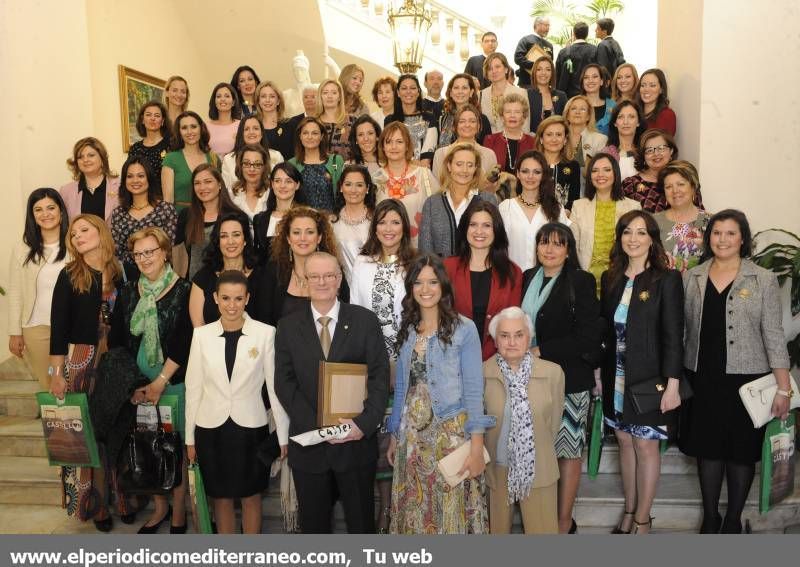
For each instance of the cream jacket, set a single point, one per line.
(582, 217)
(22, 288)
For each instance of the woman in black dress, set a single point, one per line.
(733, 335)
(230, 247)
(151, 320)
(226, 419)
(153, 125)
(285, 192)
(561, 300)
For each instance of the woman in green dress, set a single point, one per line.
(190, 148)
(151, 320)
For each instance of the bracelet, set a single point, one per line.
(166, 380)
(785, 393)
(54, 371)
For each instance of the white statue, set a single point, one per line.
(293, 98)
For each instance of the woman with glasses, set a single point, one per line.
(151, 321)
(139, 207)
(85, 293)
(249, 191)
(656, 149)
(249, 132)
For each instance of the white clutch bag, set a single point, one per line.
(452, 463)
(757, 397)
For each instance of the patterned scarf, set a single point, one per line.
(521, 438)
(144, 321)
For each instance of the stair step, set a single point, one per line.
(17, 398)
(21, 437)
(678, 504)
(14, 368)
(672, 461)
(29, 480)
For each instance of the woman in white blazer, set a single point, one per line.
(595, 216)
(378, 284)
(226, 420)
(35, 264)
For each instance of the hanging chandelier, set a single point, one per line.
(409, 24)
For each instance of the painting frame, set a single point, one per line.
(135, 89)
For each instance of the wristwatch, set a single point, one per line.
(785, 393)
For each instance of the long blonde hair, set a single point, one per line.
(281, 104)
(352, 101)
(79, 272)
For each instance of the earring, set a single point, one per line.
(291, 256)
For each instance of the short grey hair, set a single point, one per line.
(326, 256)
(510, 313)
(540, 20)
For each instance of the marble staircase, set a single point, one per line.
(30, 493)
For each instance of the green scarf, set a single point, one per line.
(144, 321)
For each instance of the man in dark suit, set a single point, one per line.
(336, 332)
(609, 53)
(474, 65)
(573, 59)
(541, 26)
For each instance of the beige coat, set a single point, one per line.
(546, 395)
(582, 217)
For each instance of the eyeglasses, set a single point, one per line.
(252, 164)
(316, 278)
(144, 254)
(657, 150)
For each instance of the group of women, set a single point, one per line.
(502, 313)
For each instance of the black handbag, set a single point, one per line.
(151, 461)
(646, 396)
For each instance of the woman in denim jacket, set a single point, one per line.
(438, 403)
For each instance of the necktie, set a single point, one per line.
(325, 335)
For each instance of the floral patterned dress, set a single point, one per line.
(683, 242)
(422, 502)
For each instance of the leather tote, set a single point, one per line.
(151, 461)
(646, 395)
(757, 397)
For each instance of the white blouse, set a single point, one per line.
(522, 232)
(351, 238)
(363, 278)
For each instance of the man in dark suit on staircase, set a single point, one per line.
(541, 26)
(474, 65)
(337, 332)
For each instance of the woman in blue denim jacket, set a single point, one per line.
(438, 405)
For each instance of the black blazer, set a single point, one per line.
(569, 329)
(268, 301)
(357, 339)
(653, 338)
(474, 67)
(535, 103)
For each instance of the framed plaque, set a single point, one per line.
(342, 391)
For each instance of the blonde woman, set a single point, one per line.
(278, 129)
(176, 97)
(584, 140)
(334, 117)
(625, 83)
(352, 79)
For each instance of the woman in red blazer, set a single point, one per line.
(485, 281)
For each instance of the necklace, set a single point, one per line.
(421, 338)
(141, 208)
(349, 221)
(390, 259)
(527, 203)
(299, 282)
(510, 163)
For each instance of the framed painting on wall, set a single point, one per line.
(135, 90)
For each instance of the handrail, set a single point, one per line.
(445, 9)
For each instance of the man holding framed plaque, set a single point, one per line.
(327, 332)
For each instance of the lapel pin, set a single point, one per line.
(744, 293)
(346, 327)
(253, 352)
(644, 296)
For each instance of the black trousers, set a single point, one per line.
(317, 493)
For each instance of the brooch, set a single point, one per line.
(641, 187)
(253, 352)
(644, 296)
(744, 293)
(163, 154)
(280, 131)
(567, 171)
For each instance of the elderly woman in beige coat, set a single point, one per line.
(526, 394)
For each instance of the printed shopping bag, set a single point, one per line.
(68, 433)
(147, 420)
(200, 515)
(777, 463)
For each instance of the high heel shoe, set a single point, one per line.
(637, 525)
(145, 529)
(573, 529)
(712, 526)
(618, 529)
(105, 525)
(178, 529)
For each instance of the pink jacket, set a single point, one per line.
(72, 198)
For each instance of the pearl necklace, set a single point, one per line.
(350, 222)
